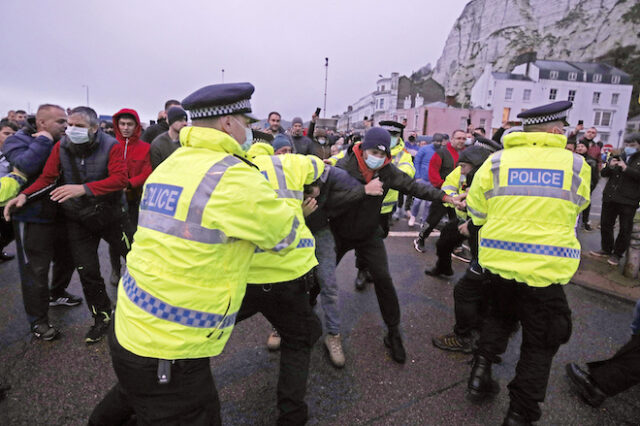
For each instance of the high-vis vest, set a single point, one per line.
(527, 198)
(287, 174)
(402, 160)
(203, 212)
(454, 185)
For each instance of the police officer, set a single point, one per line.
(203, 212)
(527, 198)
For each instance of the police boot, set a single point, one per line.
(361, 279)
(481, 384)
(514, 418)
(393, 341)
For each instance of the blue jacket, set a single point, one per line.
(421, 163)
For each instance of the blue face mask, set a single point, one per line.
(394, 141)
(630, 151)
(248, 138)
(374, 162)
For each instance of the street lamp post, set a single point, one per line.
(87, 92)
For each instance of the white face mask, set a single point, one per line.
(322, 141)
(77, 135)
(468, 142)
(394, 141)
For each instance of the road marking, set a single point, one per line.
(412, 234)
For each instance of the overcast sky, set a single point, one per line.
(138, 54)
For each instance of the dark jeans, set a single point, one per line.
(6, 233)
(437, 211)
(190, 398)
(374, 257)
(39, 244)
(450, 238)
(385, 226)
(133, 211)
(470, 297)
(620, 372)
(611, 211)
(546, 324)
(84, 249)
(286, 306)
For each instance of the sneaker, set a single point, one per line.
(418, 244)
(396, 215)
(412, 221)
(334, 346)
(453, 342)
(614, 260)
(273, 341)
(67, 299)
(462, 254)
(44, 331)
(99, 328)
(600, 253)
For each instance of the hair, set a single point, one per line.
(6, 123)
(46, 107)
(170, 103)
(272, 113)
(543, 127)
(453, 134)
(481, 130)
(88, 113)
(127, 115)
(20, 111)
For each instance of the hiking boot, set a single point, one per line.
(361, 279)
(481, 384)
(436, 272)
(514, 418)
(582, 382)
(393, 341)
(334, 346)
(114, 279)
(453, 342)
(273, 341)
(614, 260)
(600, 253)
(418, 244)
(67, 299)
(462, 254)
(99, 328)
(44, 331)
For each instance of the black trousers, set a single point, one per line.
(286, 306)
(6, 233)
(190, 397)
(619, 372)
(470, 297)
(546, 324)
(373, 254)
(450, 238)
(611, 211)
(437, 211)
(133, 211)
(38, 245)
(385, 226)
(84, 249)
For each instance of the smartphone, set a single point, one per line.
(318, 112)
(580, 122)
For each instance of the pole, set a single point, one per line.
(326, 75)
(223, 75)
(87, 92)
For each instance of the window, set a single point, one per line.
(483, 122)
(553, 93)
(596, 98)
(553, 75)
(382, 101)
(572, 96)
(490, 93)
(526, 95)
(573, 76)
(604, 137)
(615, 79)
(463, 122)
(602, 118)
(597, 78)
(614, 98)
(382, 88)
(508, 94)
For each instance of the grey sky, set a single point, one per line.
(138, 54)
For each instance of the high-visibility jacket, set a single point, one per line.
(527, 198)
(259, 148)
(334, 158)
(203, 212)
(10, 185)
(455, 184)
(287, 174)
(402, 160)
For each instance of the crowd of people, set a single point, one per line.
(217, 220)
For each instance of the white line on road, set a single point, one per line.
(412, 234)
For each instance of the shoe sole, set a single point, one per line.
(54, 304)
(46, 339)
(477, 396)
(451, 349)
(460, 258)
(594, 254)
(613, 263)
(92, 341)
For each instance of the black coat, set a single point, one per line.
(361, 221)
(623, 187)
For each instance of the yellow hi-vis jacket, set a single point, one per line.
(454, 185)
(527, 198)
(402, 160)
(203, 212)
(287, 174)
(10, 185)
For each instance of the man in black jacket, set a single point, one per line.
(620, 199)
(359, 227)
(162, 125)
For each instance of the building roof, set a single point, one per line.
(588, 67)
(437, 105)
(509, 76)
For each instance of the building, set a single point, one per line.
(600, 94)
(633, 125)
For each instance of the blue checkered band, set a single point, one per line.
(544, 118)
(306, 243)
(391, 128)
(165, 311)
(288, 240)
(218, 110)
(388, 203)
(540, 249)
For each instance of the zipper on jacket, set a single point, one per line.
(126, 145)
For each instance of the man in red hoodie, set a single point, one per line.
(126, 124)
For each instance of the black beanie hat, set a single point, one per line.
(174, 114)
(474, 155)
(377, 138)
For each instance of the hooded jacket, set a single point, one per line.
(622, 186)
(136, 152)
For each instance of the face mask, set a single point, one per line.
(468, 142)
(248, 138)
(630, 151)
(394, 141)
(322, 141)
(374, 162)
(77, 135)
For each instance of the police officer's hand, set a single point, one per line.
(374, 187)
(65, 192)
(464, 229)
(327, 161)
(16, 203)
(309, 205)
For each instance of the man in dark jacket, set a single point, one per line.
(93, 173)
(620, 200)
(582, 148)
(301, 143)
(359, 227)
(41, 236)
(161, 126)
(165, 143)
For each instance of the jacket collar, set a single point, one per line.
(541, 139)
(211, 139)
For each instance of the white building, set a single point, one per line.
(600, 94)
(381, 101)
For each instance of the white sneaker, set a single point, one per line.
(412, 221)
(334, 346)
(273, 342)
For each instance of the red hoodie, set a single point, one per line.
(136, 152)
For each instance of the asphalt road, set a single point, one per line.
(59, 383)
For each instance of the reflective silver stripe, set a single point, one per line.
(288, 193)
(277, 165)
(289, 239)
(495, 168)
(206, 187)
(407, 164)
(449, 188)
(576, 180)
(163, 310)
(315, 169)
(185, 230)
(476, 213)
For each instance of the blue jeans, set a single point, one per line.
(417, 203)
(326, 255)
(635, 325)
